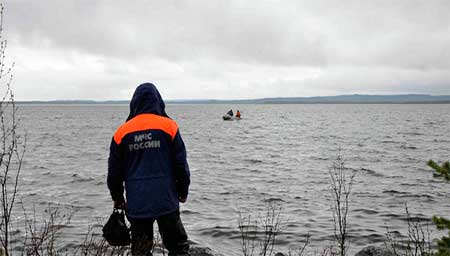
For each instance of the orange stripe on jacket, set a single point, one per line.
(144, 122)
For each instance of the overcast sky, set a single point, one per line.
(227, 49)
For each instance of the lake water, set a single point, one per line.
(277, 153)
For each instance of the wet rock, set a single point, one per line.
(374, 251)
(201, 251)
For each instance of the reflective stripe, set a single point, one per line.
(144, 122)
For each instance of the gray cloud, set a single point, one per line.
(219, 47)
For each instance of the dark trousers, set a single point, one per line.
(172, 233)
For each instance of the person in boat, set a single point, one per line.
(230, 113)
(238, 114)
(148, 155)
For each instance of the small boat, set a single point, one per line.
(228, 118)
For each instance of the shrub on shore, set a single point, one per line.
(443, 244)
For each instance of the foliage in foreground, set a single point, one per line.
(341, 182)
(258, 234)
(12, 147)
(443, 244)
(417, 241)
(440, 171)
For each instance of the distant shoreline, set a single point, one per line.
(223, 103)
(340, 99)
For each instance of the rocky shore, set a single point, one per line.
(367, 251)
(202, 251)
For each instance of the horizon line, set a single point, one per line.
(241, 99)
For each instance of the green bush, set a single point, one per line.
(440, 171)
(443, 244)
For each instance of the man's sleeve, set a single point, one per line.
(115, 172)
(181, 166)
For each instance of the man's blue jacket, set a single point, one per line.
(148, 154)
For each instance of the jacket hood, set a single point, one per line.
(146, 99)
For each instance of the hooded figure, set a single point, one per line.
(148, 155)
(146, 99)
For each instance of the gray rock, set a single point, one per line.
(374, 251)
(200, 251)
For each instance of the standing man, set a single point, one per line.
(148, 154)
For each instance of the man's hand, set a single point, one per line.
(120, 205)
(182, 199)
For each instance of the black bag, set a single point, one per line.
(115, 231)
